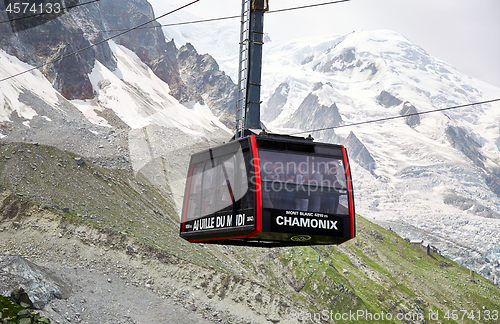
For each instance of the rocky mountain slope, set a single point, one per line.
(132, 118)
(48, 45)
(91, 24)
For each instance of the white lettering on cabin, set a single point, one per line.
(220, 222)
(306, 222)
(204, 223)
(240, 219)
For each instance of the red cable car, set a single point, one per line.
(266, 190)
(269, 190)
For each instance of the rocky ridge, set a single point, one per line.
(201, 72)
(48, 45)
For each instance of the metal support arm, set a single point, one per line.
(250, 70)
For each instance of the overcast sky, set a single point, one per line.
(464, 33)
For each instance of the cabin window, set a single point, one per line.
(194, 195)
(216, 184)
(303, 182)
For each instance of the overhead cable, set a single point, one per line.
(268, 12)
(397, 117)
(95, 44)
(308, 6)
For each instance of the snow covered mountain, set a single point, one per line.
(132, 121)
(431, 177)
(434, 176)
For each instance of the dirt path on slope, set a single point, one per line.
(106, 298)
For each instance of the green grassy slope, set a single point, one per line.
(110, 198)
(380, 273)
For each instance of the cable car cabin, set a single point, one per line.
(265, 190)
